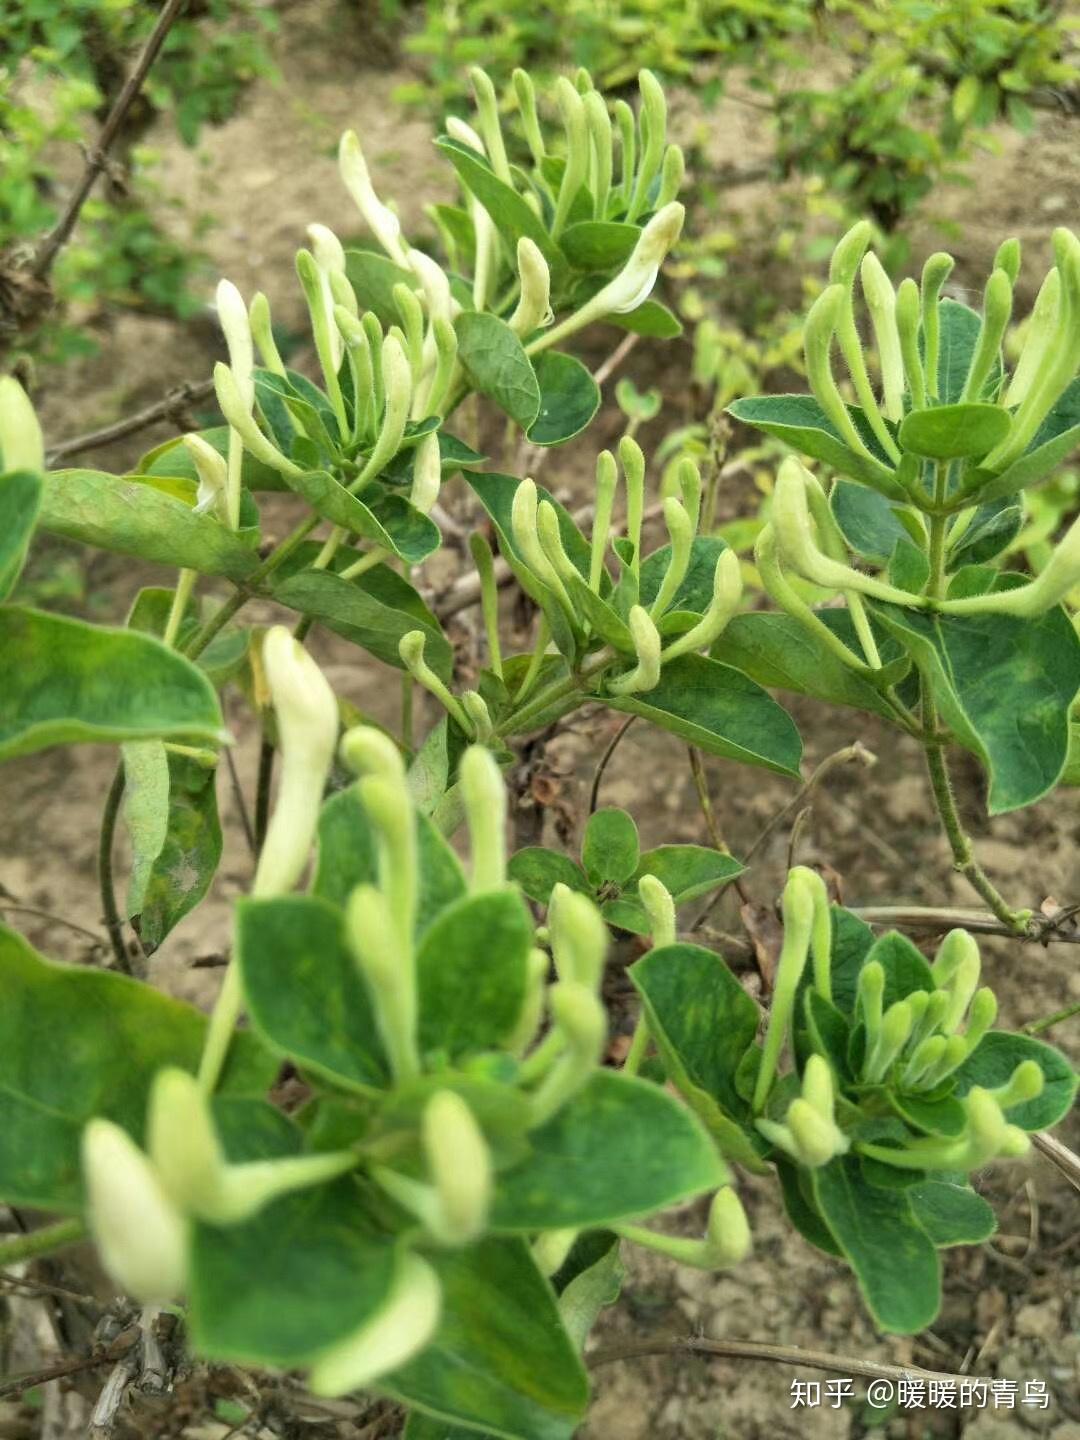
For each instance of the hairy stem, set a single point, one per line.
(15, 1248)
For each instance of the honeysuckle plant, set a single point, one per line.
(432, 1204)
(888, 600)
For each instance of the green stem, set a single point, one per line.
(1038, 1026)
(964, 860)
(638, 1046)
(114, 923)
(41, 1242)
(558, 690)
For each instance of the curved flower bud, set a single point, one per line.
(534, 304)
(981, 1016)
(935, 272)
(484, 796)
(646, 673)
(632, 459)
(576, 166)
(850, 249)
(21, 443)
(487, 109)
(242, 421)
(607, 478)
(461, 131)
(550, 536)
(660, 908)
(602, 147)
(307, 722)
(1040, 332)
(526, 99)
(212, 495)
(634, 282)
(1049, 588)
(653, 124)
(435, 284)
(681, 538)
(532, 1006)
(233, 315)
(870, 993)
(579, 937)
(817, 1140)
(524, 524)
(1008, 259)
(726, 1241)
(580, 1017)
(957, 948)
(881, 302)
(368, 751)
(822, 322)
(397, 384)
(140, 1236)
(459, 1161)
(727, 592)
(895, 1031)
(481, 724)
(817, 1086)
(375, 941)
(411, 649)
(961, 988)
(427, 474)
(382, 221)
(997, 311)
(329, 257)
(672, 175)
(797, 912)
(262, 333)
(399, 1330)
(925, 1058)
(908, 316)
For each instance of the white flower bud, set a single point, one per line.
(579, 937)
(427, 474)
(213, 475)
(534, 305)
(400, 1330)
(232, 312)
(141, 1237)
(459, 1161)
(435, 283)
(660, 908)
(384, 224)
(484, 797)
(464, 134)
(21, 443)
(330, 259)
(646, 673)
(307, 722)
(242, 421)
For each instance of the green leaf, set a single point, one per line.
(569, 398)
(952, 1214)
(796, 1190)
(1004, 685)
(134, 519)
(260, 1297)
(304, 991)
(599, 244)
(66, 681)
(352, 608)
(686, 871)
(993, 1062)
(800, 422)
(609, 850)
(721, 711)
(696, 591)
(960, 327)
(392, 522)
(650, 319)
(77, 1042)
(1058, 436)
(655, 1153)
(146, 811)
(777, 651)
(589, 1278)
(188, 859)
(943, 1116)
(501, 1360)
(893, 1258)
(703, 1023)
(348, 856)
(906, 968)
(496, 364)
(470, 971)
(852, 940)
(869, 522)
(20, 500)
(174, 459)
(538, 871)
(373, 277)
(954, 432)
(510, 213)
(993, 528)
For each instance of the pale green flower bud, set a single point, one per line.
(1027, 1082)
(908, 317)
(532, 1006)
(653, 124)
(672, 175)
(1040, 332)
(997, 310)
(140, 1235)
(632, 459)
(817, 1140)
(411, 650)
(487, 108)
(817, 1086)
(382, 221)
(233, 315)
(601, 149)
(435, 284)
(728, 1233)
(962, 987)
(524, 524)
(579, 937)
(461, 131)
(1049, 588)
(534, 305)
(581, 1018)
(681, 536)
(550, 1249)
(369, 751)
(727, 592)
(797, 910)
(607, 477)
(526, 98)
(375, 941)
(575, 123)
(850, 248)
(242, 421)
(646, 673)
(307, 722)
(21, 443)
(925, 1058)
(935, 272)
(550, 535)
(870, 992)
(397, 384)
(459, 1161)
(1008, 259)
(881, 302)
(427, 474)
(263, 334)
(1015, 1143)
(329, 258)
(183, 1143)
(484, 796)
(660, 908)
(212, 495)
(981, 1016)
(986, 1127)
(895, 1031)
(399, 1330)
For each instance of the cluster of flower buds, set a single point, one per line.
(913, 1048)
(932, 453)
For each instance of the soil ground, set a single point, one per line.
(1013, 1306)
